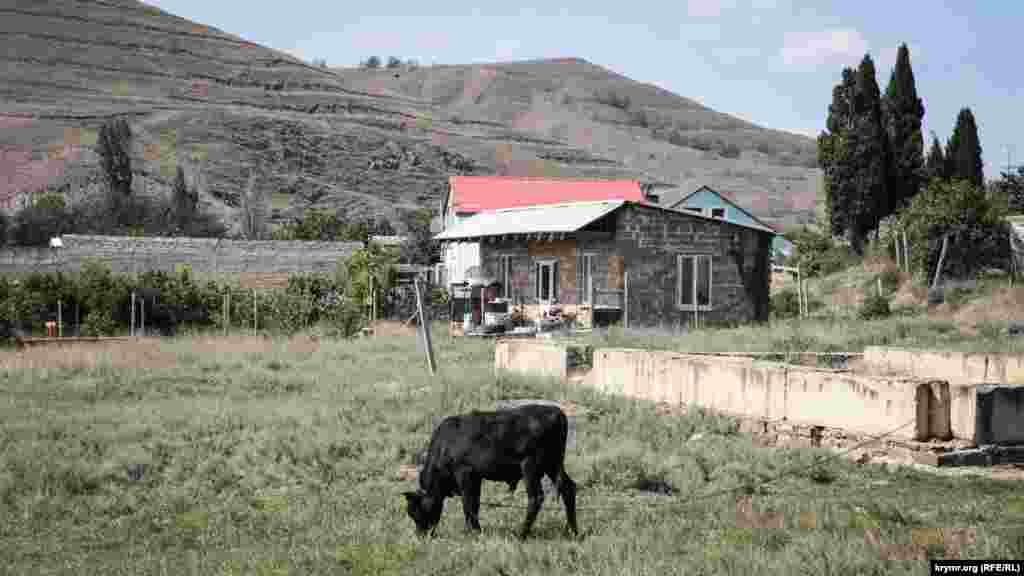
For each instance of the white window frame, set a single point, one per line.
(539, 266)
(694, 260)
(588, 278)
(505, 274)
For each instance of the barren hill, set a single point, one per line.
(369, 140)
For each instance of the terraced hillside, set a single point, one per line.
(369, 140)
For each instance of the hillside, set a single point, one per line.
(369, 140)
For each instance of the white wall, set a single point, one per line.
(458, 258)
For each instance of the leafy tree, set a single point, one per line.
(183, 201)
(383, 227)
(935, 166)
(1011, 187)
(418, 247)
(979, 235)
(903, 113)
(412, 64)
(37, 223)
(372, 62)
(114, 148)
(963, 151)
(5, 228)
(393, 62)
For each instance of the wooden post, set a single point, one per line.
(60, 320)
(879, 286)
(425, 332)
(253, 311)
(373, 308)
(942, 256)
(142, 316)
(227, 313)
(906, 252)
(625, 299)
(131, 325)
(799, 294)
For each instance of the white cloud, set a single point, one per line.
(703, 8)
(839, 45)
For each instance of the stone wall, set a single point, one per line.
(267, 261)
(646, 242)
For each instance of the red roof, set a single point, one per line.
(485, 193)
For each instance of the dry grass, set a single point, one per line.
(247, 455)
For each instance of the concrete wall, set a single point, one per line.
(257, 258)
(532, 358)
(905, 407)
(963, 370)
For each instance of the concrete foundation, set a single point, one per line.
(904, 406)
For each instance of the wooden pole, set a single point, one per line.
(942, 256)
(142, 315)
(253, 311)
(131, 325)
(879, 286)
(425, 333)
(227, 313)
(373, 307)
(60, 320)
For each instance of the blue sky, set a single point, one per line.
(773, 62)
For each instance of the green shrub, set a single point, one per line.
(785, 304)
(874, 307)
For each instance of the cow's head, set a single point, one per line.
(424, 509)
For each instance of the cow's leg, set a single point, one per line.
(567, 490)
(535, 491)
(469, 484)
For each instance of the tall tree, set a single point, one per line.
(834, 156)
(254, 210)
(903, 112)
(963, 151)
(870, 155)
(113, 146)
(935, 166)
(183, 202)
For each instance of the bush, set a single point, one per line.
(372, 62)
(874, 307)
(729, 151)
(785, 304)
(393, 62)
(613, 99)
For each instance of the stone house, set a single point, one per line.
(468, 196)
(659, 267)
(710, 202)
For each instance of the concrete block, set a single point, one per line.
(999, 415)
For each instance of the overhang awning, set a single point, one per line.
(547, 219)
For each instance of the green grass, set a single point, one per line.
(264, 456)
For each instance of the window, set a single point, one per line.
(588, 279)
(694, 287)
(505, 275)
(718, 212)
(547, 280)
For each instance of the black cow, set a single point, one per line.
(523, 443)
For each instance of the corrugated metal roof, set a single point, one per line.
(550, 218)
(485, 193)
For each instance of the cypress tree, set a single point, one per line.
(903, 112)
(870, 155)
(935, 166)
(963, 152)
(834, 155)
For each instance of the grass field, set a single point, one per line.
(244, 455)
